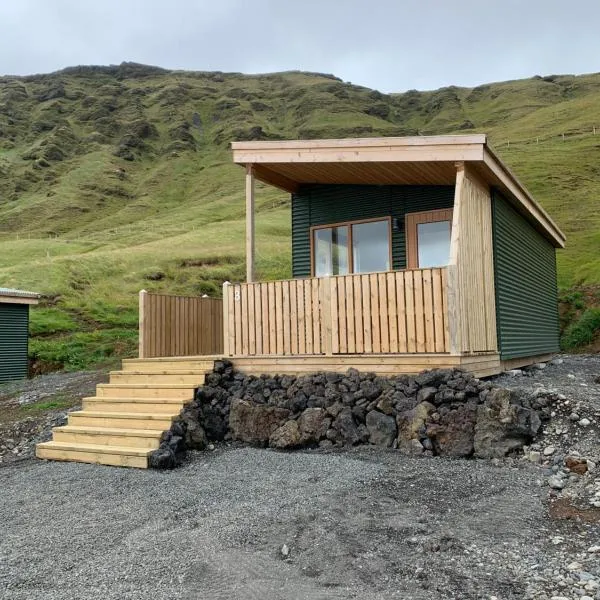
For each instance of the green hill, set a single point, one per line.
(114, 179)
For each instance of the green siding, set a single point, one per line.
(323, 204)
(526, 291)
(14, 322)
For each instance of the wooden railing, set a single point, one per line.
(392, 312)
(180, 325)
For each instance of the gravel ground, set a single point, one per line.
(30, 408)
(366, 524)
(362, 523)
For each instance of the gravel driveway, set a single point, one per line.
(362, 524)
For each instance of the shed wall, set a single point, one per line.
(14, 325)
(526, 288)
(324, 204)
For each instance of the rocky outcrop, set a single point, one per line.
(440, 412)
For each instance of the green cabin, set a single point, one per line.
(417, 251)
(14, 332)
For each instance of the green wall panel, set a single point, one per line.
(526, 290)
(14, 322)
(323, 204)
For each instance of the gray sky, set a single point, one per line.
(390, 45)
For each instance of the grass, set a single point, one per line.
(582, 332)
(90, 230)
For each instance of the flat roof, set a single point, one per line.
(12, 296)
(420, 160)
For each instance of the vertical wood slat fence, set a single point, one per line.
(391, 312)
(179, 325)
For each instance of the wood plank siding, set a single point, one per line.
(381, 313)
(471, 301)
(180, 325)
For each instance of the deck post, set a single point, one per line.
(142, 324)
(249, 223)
(226, 309)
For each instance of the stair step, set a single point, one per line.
(172, 362)
(120, 420)
(192, 377)
(120, 456)
(108, 436)
(139, 390)
(170, 406)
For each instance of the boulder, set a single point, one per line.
(346, 428)
(412, 447)
(426, 394)
(454, 432)
(411, 423)
(286, 436)
(382, 428)
(503, 426)
(254, 423)
(195, 436)
(313, 425)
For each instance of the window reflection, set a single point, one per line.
(433, 240)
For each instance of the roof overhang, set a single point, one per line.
(422, 160)
(11, 296)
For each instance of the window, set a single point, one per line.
(359, 247)
(428, 238)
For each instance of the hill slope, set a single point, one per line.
(114, 179)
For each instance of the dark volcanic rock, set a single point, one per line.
(453, 435)
(313, 424)
(253, 423)
(503, 426)
(286, 436)
(382, 428)
(345, 426)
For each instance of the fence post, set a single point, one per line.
(142, 324)
(226, 285)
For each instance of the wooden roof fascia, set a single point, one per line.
(523, 197)
(18, 300)
(417, 153)
(385, 142)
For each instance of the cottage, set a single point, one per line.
(14, 332)
(407, 254)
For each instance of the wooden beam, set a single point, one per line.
(275, 179)
(250, 247)
(142, 324)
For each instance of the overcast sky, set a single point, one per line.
(390, 45)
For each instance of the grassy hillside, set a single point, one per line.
(114, 179)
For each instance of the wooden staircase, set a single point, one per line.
(123, 423)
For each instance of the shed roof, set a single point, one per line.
(12, 296)
(422, 160)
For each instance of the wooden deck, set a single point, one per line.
(383, 364)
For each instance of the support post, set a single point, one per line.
(454, 291)
(226, 309)
(250, 223)
(142, 324)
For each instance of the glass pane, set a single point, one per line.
(371, 247)
(433, 240)
(331, 251)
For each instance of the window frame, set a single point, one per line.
(348, 224)
(412, 221)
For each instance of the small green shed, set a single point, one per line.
(14, 332)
